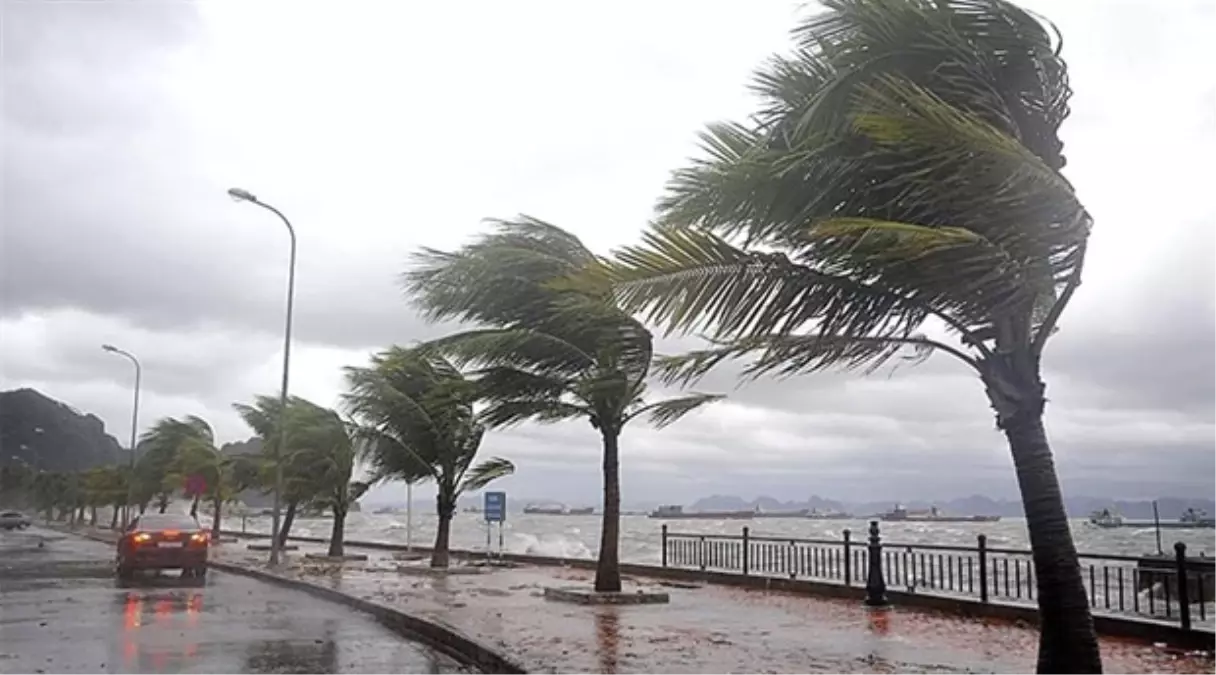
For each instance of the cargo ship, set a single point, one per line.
(801, 513)
(674, 512)
(557, 510)
(1190, 519)
(900, 514)
(829, 515)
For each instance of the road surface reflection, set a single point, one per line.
(149, 614)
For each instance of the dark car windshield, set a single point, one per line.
(166, 521)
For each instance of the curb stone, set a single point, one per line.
(430, 633)
(435, 635)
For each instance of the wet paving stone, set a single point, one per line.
(704, 628)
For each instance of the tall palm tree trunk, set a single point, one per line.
(443, 534)
(216, 508)
(92, 516)
(114, 509)
(1067, 642)
(289, 518)
(194, 506)
(337, 535)
(162, 502)
(608, 567)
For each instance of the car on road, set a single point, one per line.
(14, 520)
(163, 541)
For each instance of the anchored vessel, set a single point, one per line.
(677, 512)
(899, 513)
(1190, 519)
(557, 510)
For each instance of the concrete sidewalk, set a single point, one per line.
(705, 628)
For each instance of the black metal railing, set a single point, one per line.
(1171, 587)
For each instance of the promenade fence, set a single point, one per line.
(1173, 587)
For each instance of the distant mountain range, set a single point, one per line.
(1169, 507)
(52, 436)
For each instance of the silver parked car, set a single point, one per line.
(14, 520)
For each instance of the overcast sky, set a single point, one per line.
(379, 127)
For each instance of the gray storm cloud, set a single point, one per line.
(115, 228)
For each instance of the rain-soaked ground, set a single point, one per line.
(62, 612)
(703, 629)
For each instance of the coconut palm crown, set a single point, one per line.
(897, 194)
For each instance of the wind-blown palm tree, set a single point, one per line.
(105, 486)
(555, 344)
(224, 476)
(263, 417)
(317, 464)
(418, 423)
(50, 491)
(178, 448)
(326, 463)
(901, 180)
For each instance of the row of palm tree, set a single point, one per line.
(178, 454)
(73, 497)
(411, 418)
(897, 195)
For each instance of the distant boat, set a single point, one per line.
(557, 510)
(829, 515)
(1189, 520)
(900, 514)
(801, 513)
(677, 512)
(383, 510)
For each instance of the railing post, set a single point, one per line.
(981, 543)
(747, 552)
(663, 535)
(701, 553)
(1184, 602)
(876, 587)
(848, 558)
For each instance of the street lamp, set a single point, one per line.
(275, 545)
(126, 509)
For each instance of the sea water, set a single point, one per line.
(579, 536)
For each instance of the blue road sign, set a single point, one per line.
(496, 507)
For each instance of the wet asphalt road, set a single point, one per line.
(61, 611)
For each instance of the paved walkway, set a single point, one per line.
(62, 612)
(704, 629)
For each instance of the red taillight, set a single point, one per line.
(200, 538)
(141, 538)
(171, 534)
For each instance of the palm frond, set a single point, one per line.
(688, 280)
(919, 134)
(787, 355)
(485, 473)
(509, 412)
(539, 352)
(665, 412)
(500, 383)
(929, 114)
(415, 416)
(500, 278)
(356, 490)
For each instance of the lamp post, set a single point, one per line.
(275, 545)
(126, 510)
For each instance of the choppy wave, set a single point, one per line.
(578, 536)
